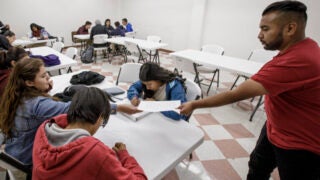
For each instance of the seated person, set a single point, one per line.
(26, 104)
(127, 25)
(98, 29)
(4, 28)
(158, 84)
(39, 32)
(84, 29)
(65, 149)
(7, 39)
(119, 31)
(107, 23)
(7, 62)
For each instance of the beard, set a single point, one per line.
(276, 44)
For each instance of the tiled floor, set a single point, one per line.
(229, 136)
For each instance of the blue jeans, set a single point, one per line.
(292, 164)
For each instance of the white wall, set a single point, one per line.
(235, 24)
(166, 18)
(182, 24)
(59, 17)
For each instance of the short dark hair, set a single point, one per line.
(88, 23)
(288, 6)
(88, 104)
(117, 24)
(9, 34)
(125, 19)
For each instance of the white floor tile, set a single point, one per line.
(217, 132)
(208, 151)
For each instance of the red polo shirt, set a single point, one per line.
(292, 104)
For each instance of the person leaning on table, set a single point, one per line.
(65, 149)
(290, 138)
(25, 104)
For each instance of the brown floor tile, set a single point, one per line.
(220, 169)
(205, 119)
(231, 148)
(238, 131)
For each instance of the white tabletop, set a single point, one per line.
(237, 65)
(143, 44)
(25, 42)
(157, 143)
(82, 36)
(65, 60)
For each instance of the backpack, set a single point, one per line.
(87, 78)
(87, 55)
(49, 60)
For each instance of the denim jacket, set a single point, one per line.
(29, 115)
(174, 91)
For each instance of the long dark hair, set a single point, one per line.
(153, 72)
(36, 25)
(16, 90)
(13, 54)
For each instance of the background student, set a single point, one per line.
(4, 28)
(38, 32)
(98, 29)
(6, 40)
(108, 25)
(127, 25)
(119, 31)
(65, 149)
(84, 29)
(158, 84)
(290, 139)
(7, 62)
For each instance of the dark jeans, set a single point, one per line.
(292, 164)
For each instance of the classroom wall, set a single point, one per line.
(182, 24)
(232, 24)
(59, 17)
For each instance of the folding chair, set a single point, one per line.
(58, 46)
(129, 73)
(133, 52)
(193, 93)
(11, 164)
(215, 49)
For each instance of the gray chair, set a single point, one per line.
(129, 73)
(10, 164)
(215, 49)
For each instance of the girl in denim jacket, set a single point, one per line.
(25, 104)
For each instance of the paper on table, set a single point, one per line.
(158, 106)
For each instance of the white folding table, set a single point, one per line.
(157, 143)
(66, 62)
(231, 64)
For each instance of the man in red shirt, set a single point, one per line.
(290, 139)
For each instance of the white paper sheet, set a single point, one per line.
(158, 106)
